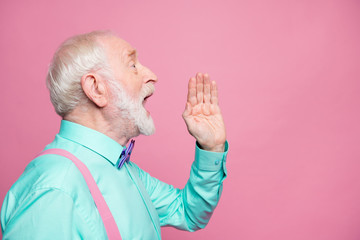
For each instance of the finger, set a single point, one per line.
(199, 88)
(207, 88)
(214, 93)
(191, 98)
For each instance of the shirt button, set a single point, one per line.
(217, 162)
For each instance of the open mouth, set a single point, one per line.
(144, 102)
(146, 98)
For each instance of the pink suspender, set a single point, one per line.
(107, 218)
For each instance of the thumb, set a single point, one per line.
(187, 110)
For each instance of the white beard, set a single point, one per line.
(133, 109)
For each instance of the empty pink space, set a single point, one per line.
(289, 83)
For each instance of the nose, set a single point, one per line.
(150, 77)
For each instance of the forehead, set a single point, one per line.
(119, 48)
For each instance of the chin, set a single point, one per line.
(148, 133)
(150, 130)
(146, 125)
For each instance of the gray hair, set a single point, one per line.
(74, 58)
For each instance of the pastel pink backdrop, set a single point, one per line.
(289, 84)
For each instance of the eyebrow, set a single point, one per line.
(129, 55)
(132, 53)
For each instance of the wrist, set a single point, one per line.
(216, 148)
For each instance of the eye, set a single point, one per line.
(133, 65)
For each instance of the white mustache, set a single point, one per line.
(147, 90)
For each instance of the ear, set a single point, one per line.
(94, 88)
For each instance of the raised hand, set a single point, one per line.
(202, 114)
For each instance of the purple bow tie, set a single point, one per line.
(125, 154)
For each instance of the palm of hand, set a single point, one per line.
(202, 114)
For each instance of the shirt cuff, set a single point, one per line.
(210, 161)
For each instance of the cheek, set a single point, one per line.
(132, 82)
(134, 88)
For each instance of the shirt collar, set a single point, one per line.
(91, 139)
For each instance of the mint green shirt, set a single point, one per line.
(51, 200)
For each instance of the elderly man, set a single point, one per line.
(99, 88)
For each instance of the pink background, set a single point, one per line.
(289, 84)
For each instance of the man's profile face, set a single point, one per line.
(134, 83)
(126, 67)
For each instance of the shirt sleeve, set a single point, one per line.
(190, 208)
(44, 214)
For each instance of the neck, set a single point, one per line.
(117, 128)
